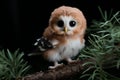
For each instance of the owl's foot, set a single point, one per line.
(56, 64)
(69, 60)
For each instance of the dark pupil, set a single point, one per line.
(60, 23)
(72, 23)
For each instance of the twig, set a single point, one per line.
(65, 72)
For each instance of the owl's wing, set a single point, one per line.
(42, 44)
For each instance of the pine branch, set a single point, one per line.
(65, 72)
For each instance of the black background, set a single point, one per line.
(23, 21)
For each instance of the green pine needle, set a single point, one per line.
(103, 48)
(12, 65)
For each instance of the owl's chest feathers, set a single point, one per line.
(70, 48)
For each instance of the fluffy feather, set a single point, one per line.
(66, 32)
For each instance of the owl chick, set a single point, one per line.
(65, 32)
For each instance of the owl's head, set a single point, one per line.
(67, 20)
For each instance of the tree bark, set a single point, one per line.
(70, 71)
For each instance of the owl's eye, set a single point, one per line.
(72, 23)
(60, 23)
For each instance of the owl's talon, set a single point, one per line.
(52, 67)
(69, 60)
(55, 65)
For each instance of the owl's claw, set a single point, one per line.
(69, 60)
(56, 64)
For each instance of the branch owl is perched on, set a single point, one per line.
(65, 32)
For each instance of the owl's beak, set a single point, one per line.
(65, 29)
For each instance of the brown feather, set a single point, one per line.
(52, 32)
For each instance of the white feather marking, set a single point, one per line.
(54, 56)
(71, 49)
(41, 49)
(66, 20)
(68, 50)
(54, 42)
(35, 44)
(38, 39)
